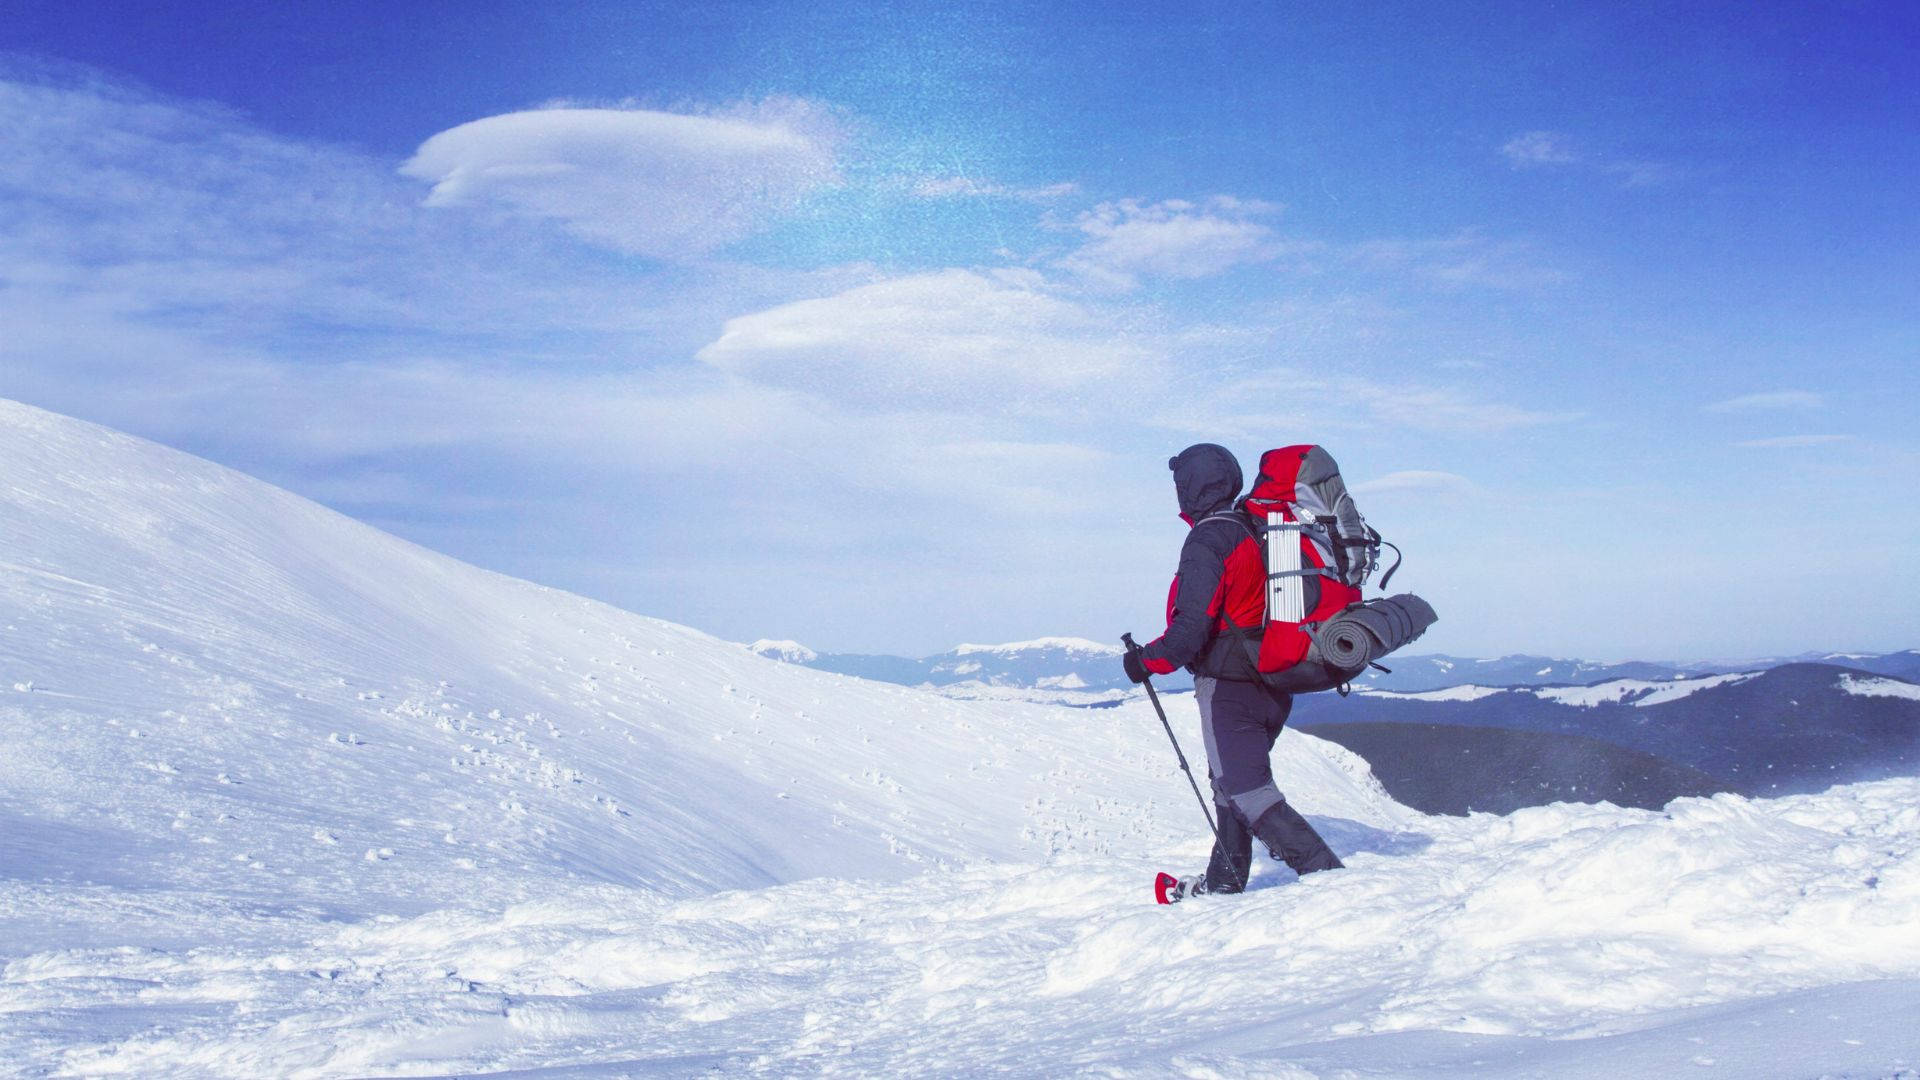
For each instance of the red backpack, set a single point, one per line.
(1318, 633)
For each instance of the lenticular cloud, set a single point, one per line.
(651, 183)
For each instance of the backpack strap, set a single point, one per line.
(1233, 515)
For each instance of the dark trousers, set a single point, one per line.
(1240, 722)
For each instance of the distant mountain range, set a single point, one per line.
(1437, 672)
(1063, 669)
(1449, 734)
(1793, 728)
(1076, 664)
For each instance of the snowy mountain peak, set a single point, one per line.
(1045, 644)
(791, 652)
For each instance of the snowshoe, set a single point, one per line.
(1168, 889)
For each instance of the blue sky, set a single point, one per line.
(873, 325)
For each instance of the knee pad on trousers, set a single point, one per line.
(1255, 804)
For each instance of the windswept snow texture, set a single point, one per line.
(285, 796)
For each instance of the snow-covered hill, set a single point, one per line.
(218, 684)
(285, 796)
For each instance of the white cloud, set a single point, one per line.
(1533, 148)
(1464, 260)
(1777, 399)
(1173, 239)
(963, 187)
(1444, 409)
(1344, 403)
(1419, 481)
(660, 184)
(1793, 442)
(1551, 149)
(1002, 339)
(1638, 174)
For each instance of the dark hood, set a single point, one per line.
(1206, 478)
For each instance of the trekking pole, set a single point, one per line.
(1155, 698)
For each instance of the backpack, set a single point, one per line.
(1318, 633)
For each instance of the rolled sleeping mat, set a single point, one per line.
(1366, 632)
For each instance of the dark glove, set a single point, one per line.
(1135, 669)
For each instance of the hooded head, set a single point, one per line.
(1206, 479)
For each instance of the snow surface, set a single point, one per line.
(1893, 688)
(286, 796)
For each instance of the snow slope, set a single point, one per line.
(286, 796)
(231, 688)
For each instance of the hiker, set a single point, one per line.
(1218, 600)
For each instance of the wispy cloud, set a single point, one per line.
(660, 184)
(1635, 174)
(1462, 261)
(1346, 403)
(1557, 150)
(1416, 481)
(471, 366)
(1129, 240)
(943, 337)
(964, 187)
(1793, 442)
(1769, 400)
(1530, 148)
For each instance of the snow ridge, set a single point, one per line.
(1638, 692)
(1466, 692)
(1875, 687)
